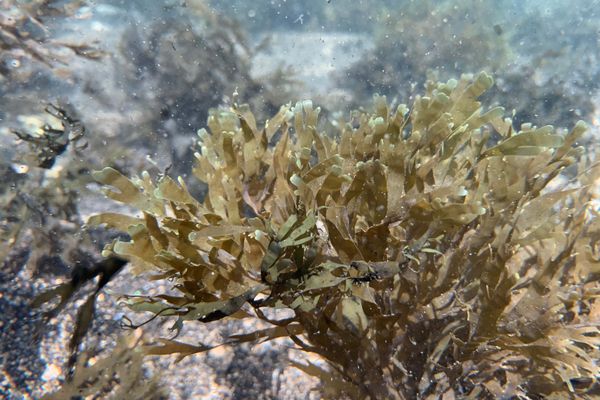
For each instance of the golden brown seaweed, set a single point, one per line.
(423, 253)
(120, 375)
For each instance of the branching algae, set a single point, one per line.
(119, 376)
(40, 219)
(424, 252)
(24, 36)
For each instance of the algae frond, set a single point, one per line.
(423, 252)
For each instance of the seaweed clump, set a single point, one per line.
(120, 375)
(178, 67)
(52, 143)
(41, 219)
(24, 37)
(408, 47)
(425, 252)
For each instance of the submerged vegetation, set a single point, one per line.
(422, 252)
(160, 61)
(428, 250)
(24, 38)
(40, 220)
(408, 49)
(534, 80)
(98, 380)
